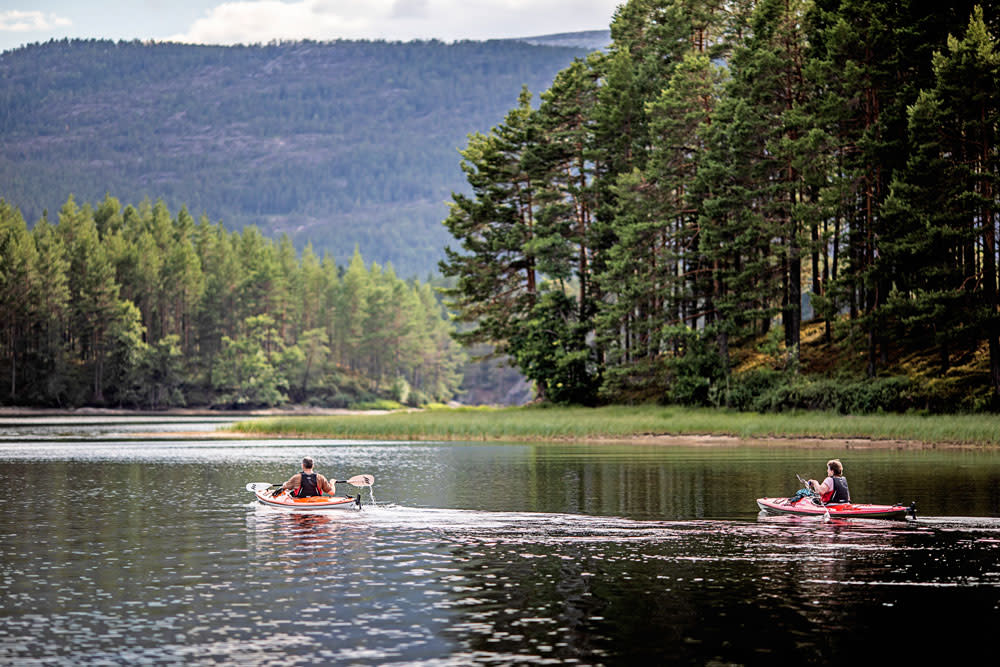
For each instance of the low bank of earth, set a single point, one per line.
(651, 424)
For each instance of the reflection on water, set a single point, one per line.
(484, 554)
(105, 427)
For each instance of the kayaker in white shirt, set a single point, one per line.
(834, 488)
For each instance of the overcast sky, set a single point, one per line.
(260, 21)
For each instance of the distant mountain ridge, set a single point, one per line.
(339, 143)
(592, 40)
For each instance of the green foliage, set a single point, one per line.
(549, 348)
(140, 308)
(844, 157)
(698, 371)
(380, 404)
(161, 374)
(777, 391)
(243, 376)
(126, 353)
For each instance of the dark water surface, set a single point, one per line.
(130, 552)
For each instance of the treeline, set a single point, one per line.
(660, 224)
(136, 307)
(343, 143)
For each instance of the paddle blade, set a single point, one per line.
(361, 480)
(254, 487)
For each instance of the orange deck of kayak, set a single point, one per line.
(317, 502)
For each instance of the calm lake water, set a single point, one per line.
(119, 549)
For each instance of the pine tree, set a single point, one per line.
(563, 162)
(126, 352)
(18, 277)
(943, 211)
(218, 312)
(655, 267)
(768, 78)
(496, 268)
(315, 346)
(95, 305)
(51, 317)
(352, 305)
(875, 58)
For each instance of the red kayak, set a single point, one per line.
(811, 506)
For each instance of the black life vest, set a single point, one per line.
(840, 492)
(308, 485)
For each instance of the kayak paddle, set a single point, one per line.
(358, 480)
(816, 497)
(275, 489)
(260, 486)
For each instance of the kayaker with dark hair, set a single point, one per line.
(833, 490)
(308, 483)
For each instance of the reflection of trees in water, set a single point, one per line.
(668, 482)
(709, 482)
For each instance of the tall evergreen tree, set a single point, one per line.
(496, 269)
(943, 212)
(352, 304)
(876, 57)
(95, 304)
(18, 277)
(51, 320)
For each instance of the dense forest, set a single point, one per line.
(137, 307)
(763, 204)
(342, 144)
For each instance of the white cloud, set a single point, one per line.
(261, 21)
(15, 20)
(410, 8)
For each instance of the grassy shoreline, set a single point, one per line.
(617, 423)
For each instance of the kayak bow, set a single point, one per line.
(809, 506)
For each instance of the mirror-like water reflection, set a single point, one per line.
(139, 551)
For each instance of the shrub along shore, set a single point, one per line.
(625, 423)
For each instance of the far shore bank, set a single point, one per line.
(640, 424)
(662, 440)
(693, 440)
(636, 425)
(294, 411)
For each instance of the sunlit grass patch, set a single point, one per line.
(575, 423)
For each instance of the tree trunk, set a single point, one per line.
(990, 269)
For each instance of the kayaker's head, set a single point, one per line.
(835, 468)
(307, 463)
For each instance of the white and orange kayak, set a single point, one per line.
(275, 496)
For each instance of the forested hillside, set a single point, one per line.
(665, 223)
(342, 144)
